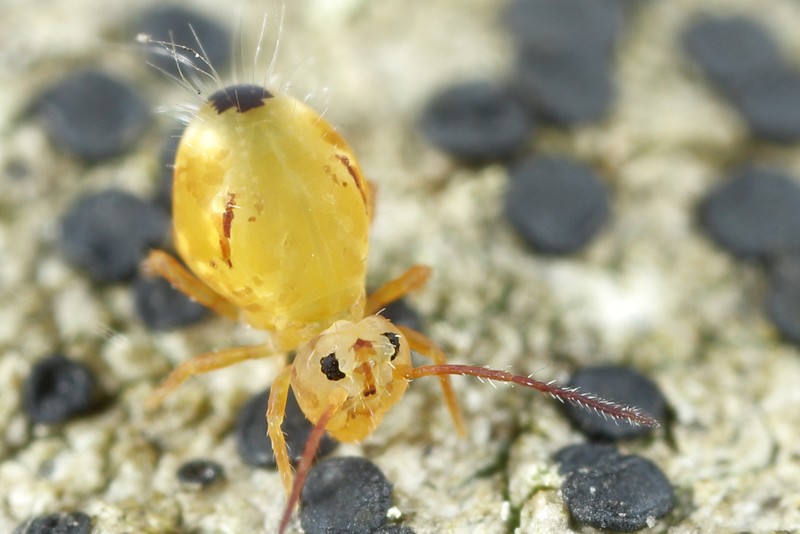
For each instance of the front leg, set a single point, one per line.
(276, 409)
(205, 363)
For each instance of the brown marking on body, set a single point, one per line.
(349, 166)
(359, 181)
(365, 369)
(227, 220)
(369, 379)
(362, 344)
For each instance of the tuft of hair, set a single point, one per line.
(199, 78)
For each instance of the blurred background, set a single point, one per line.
(610, 184)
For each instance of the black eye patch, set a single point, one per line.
(394, 339)
(330, 367)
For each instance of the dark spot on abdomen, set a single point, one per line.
(241, 97)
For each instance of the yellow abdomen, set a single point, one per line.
(272, 212)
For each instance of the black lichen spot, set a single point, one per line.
(345, 494)
(162, 307)
(109, 232)
(566, 52)
(92, 115)
(394, 339)
(583, 456)
(330, 367)
(730, 48)
(754, 214)
(476, 122)
(745, 63)
(611, 491)
(783, 297)
(200, 473)
(242, 97)
(556, 204)
(60, 523)
(57, 389)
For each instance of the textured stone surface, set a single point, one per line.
(651, 291)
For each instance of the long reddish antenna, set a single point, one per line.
(310, 450)
(588, 401)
